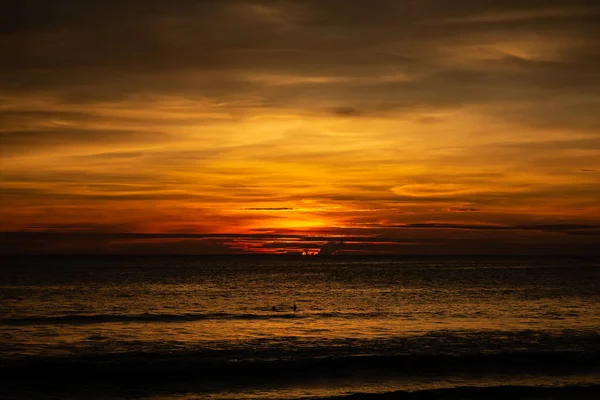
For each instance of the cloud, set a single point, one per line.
(147, 42)
(590, 143)
(89, 239)
(193, 115)
(268, 209)
(434, 190)
(345, 111)
(576, 229)
(26, 141)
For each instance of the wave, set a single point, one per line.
(582, 392)
(147, 317)
(215, 366)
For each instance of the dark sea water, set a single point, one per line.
(204, 327)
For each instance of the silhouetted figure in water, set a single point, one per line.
(294, 308)
(274, 309)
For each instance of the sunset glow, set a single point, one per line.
(424, 129)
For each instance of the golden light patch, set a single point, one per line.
(433, 190)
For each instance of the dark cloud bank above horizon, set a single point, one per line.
(104, 50)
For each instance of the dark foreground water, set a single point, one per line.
(224, 327)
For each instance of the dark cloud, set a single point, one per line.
(104, 193)
(576, 229)
(345, 111)
(211, 48)
(21, 119)
(115, 231)
(76, 227)
(89, 239)
(268, 209)
(586, 232)
(25, 141)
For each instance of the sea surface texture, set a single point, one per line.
(225, 327)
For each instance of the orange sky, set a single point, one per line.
(425, 127)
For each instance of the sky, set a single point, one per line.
(364, 127)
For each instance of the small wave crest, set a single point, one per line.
(141, 318)
(582, 392)
(184, 365)
(147, 317)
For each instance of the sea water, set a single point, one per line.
(225, 326)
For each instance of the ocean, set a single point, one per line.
(224, 327)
